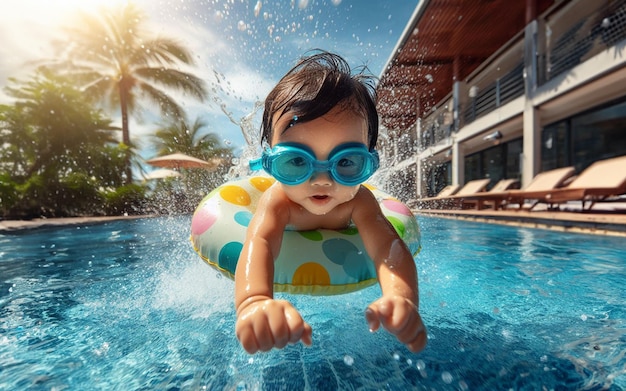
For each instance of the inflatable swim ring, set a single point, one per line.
(319, 262)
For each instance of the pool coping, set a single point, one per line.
(18, 225)
(612, 224)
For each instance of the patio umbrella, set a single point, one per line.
(161, 173)
(180, 160)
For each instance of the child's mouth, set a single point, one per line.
(320, 197)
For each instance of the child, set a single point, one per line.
(322, 124)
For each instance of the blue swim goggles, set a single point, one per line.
(349, 164)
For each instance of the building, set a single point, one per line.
(503, 89)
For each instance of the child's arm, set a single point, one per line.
(397, 310)
(262, 322)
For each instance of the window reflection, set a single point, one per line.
(583, 139)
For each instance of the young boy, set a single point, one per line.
(322, 125)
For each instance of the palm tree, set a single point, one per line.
(116, 61)
(179, 136)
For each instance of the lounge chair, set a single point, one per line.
(600, 181)
(479, 199)
(424, 203)
(444, 201)
(541, 184)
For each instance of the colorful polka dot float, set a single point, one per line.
(319, 262)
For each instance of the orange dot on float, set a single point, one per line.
(235, 195)
(311, 273)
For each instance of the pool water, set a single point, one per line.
(128, 305)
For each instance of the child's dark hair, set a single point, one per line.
(314, 86)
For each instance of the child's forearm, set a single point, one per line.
(254, 277)
(397, 274)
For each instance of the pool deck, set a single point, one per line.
(16, 225)
(602, 221)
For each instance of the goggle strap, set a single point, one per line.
(256, 164)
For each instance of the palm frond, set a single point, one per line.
(166, 104)
(163, 51)
(175, 79)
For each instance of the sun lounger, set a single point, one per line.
(429, 202)
(480, 199)
(541, 184)
(600, 181)
(442, 202)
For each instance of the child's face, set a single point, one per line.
(320, 194)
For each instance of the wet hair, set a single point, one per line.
(315, 85)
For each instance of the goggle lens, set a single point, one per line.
(291, 166)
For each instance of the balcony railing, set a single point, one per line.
(499, 93)
(587, 37)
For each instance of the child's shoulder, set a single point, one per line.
(364, 194)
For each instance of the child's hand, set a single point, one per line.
(266, 324)
(399, 316)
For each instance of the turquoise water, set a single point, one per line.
(129, 306)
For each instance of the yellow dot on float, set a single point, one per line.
(311, 273)
(368, 186)
(235, 195)
(261, 183)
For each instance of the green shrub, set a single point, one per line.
(127, 199)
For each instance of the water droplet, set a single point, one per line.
(257, 9)
(446, 377)
(241, 25)
(348, 360)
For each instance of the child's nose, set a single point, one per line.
(321, 178)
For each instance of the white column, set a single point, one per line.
(531, 153)
(458, 163)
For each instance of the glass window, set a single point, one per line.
(581, 140)
(473, 167)
(513, 159)
(498, 162)
(493, 164)
(598, 135)
(554, 146)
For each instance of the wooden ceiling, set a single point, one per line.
(469, 31)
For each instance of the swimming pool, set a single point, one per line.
(129, 305)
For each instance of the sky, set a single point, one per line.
(241, 48)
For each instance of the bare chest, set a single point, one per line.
(303, 220)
